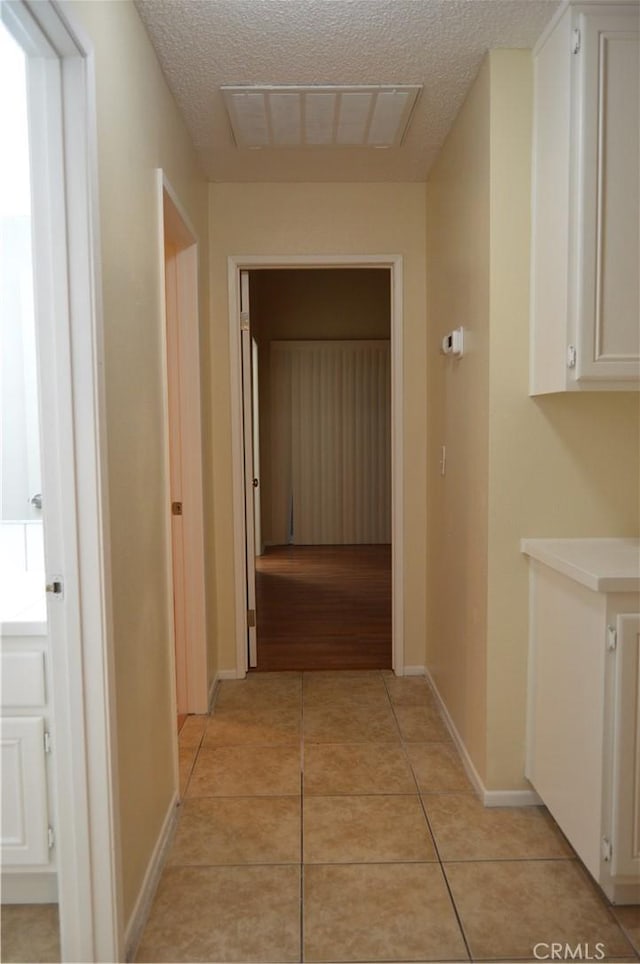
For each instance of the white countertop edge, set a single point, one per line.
(549, 552)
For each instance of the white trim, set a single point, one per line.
(490, 798)
(70, 377)
(142, 906)
(237, 263)
(169, 602)
(22, 888)
(511, 798)
(415, 671)
(227, 674)
(187, 266)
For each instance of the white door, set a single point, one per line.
(66, 301)
(256, 447)
(625, 859)
(175, 474)
(608, 296)
(250, 480)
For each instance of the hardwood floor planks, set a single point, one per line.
(324, 607)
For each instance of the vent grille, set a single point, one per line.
(281, 117)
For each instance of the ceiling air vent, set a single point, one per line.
(371, 116)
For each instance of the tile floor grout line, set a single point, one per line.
(444, 877)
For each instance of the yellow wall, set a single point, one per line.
(458, 417)
(323, 219)
(139, 130)
(560, 465)
(564, 465)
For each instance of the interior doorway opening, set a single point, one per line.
(185, 502)
(317, 345)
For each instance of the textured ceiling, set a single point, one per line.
(205, 44)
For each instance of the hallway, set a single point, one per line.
(327, 817)
(324, 607)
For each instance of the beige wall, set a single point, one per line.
(310, 304)
(323, 219)
(559, 466)
(458, 417)
(139, 130)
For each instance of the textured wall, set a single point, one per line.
(139, 129)
(324, 219)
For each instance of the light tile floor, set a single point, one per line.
(327, 817)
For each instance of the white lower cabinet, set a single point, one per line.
(25, 808)
(625, 809)
(27, 817)
(583, 730)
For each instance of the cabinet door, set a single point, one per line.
(625, 859)
(607, 303)
(25, 816)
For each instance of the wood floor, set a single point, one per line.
(324, 607)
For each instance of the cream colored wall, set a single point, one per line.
(139, 130)
(563, 465)
(458, 416)
(323, 219)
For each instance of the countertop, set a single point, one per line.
(604, 565)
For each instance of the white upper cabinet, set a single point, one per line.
(585, 305)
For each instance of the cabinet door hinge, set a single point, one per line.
(47, 742)
(576, 40)
(607, 850)
(51, 837)
(612, 638)
(571, 356)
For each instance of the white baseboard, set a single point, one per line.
(490, 798)
(138, 919)
(414, 671)
(511, 798)
(226, 674)
(21, 888)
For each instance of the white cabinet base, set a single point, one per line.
(583, 715)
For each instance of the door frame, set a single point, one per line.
(394, 263)
(172, 217)
(63, 120)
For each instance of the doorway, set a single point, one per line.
(185, 500)
(60, 845)
(325, 528)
